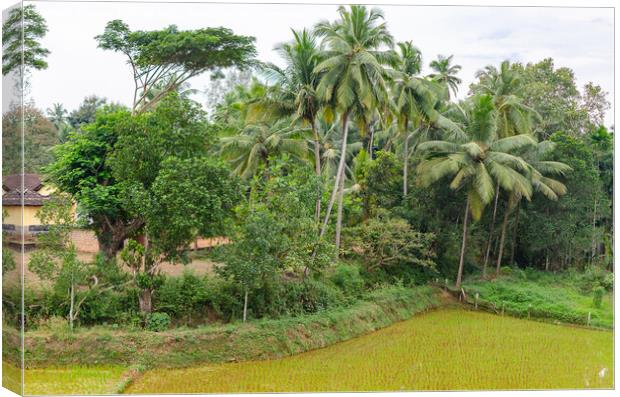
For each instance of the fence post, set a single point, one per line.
(476, 301)
(589, 318)
(529, 308)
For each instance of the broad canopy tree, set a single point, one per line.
(169, 57)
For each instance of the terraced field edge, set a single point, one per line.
(256, 340)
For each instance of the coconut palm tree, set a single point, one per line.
(476, 163)
(514, 117)
(413, 99)
(445, 74)
(352, 80)
(256, 143)
(504, 85)
(298, 82)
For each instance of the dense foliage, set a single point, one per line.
(338, 173)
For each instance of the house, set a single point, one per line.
(33, 194)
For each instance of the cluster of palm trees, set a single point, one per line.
(350, 76)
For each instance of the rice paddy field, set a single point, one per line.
(55, 381)
(447, 349)
(450, 349)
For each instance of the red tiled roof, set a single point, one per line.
(32, 182)
(12, 184)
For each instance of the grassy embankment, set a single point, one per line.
(565, 298)
(257, 340)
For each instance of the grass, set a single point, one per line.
(559, 297)
(449, 349)
(255, 340)
(74, 380)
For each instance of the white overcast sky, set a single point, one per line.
(579, 38)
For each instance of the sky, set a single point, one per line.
(579, 38)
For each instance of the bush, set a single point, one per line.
(279, 297)
(183, 297)
(157, 322)
(598, 293)
(592, 277)
(384, 242)
(348, 279)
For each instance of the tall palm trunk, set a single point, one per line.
(515, 229)
(317, 169)
(339, 217)
(459, 275)
(491, 231)
(594, 245)
(339, 172)
(501, 240)
(371, 141)
(405, 163)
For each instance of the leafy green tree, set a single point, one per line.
(39, 136)
(169, 57)
(86, 112)
(445, 74)
(383, 242)
(81, 169)
(266, 244)
(56, 257)
(540, 172)
(352, 78)
(554, 94)
(21, 36)
(559, 235)
(473, 164)
(255, 254)
(189, 197)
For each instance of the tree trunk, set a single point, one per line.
(547, 259)
(110, 243)
(593, 234)
(332, 199)
(145, 299)
(502, 240)
(371, 142)
(245, 306)
(339, 217)
(491, 231)
(405, 165)
(515, 229)
(71, 304)
(317, 169)
(459, 275)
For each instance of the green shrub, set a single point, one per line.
(183, 297)
(348, 279)
(608, 282)
(597, 299)
(157, 322)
